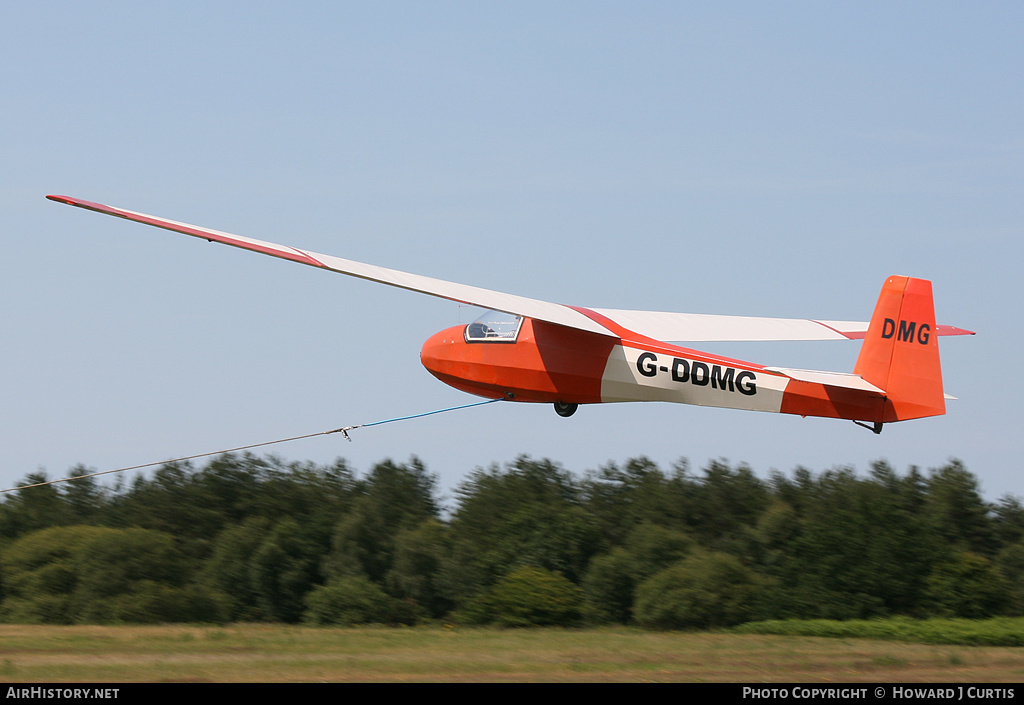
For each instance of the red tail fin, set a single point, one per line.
(901, 351)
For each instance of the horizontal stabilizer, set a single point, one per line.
(830, 379)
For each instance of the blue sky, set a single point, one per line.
(770, 159)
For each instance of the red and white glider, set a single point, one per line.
(528, 350)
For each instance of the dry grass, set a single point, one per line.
(274, 653)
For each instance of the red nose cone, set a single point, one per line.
(437, 353)
(447, 356)
(546, 363)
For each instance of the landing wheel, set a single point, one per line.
(563, 409)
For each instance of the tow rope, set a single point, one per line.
(343, 431)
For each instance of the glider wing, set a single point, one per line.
(462, 293)
(697, 327)
(680, 327)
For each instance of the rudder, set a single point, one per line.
(901, 351)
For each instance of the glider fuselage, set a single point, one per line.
(554, 364)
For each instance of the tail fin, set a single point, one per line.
(901, 351)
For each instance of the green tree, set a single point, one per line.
(726, 502)
(611, 578)
(957, 511)
(609, 586)
(41, 574)
(283, 569)
(622, 497)
(393, 498)
(83, 498)
(416, 573)
(346, 601)
(1010, 564)
(1008, 520)
(31, 509)
(528, 514)
(79, 574)
(528, 596)
(702, 591)
(229, 572)
(861, 548)
(136, 575)
(967, 585)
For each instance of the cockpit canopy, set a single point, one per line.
(494, 327)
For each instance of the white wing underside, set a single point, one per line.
(453, 291)
(675, 327)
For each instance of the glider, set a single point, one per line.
(529, 350)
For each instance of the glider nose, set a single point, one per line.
(447, 356)
(436, 354)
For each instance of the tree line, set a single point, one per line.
(248, 538)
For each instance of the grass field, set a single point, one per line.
(275, 653)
